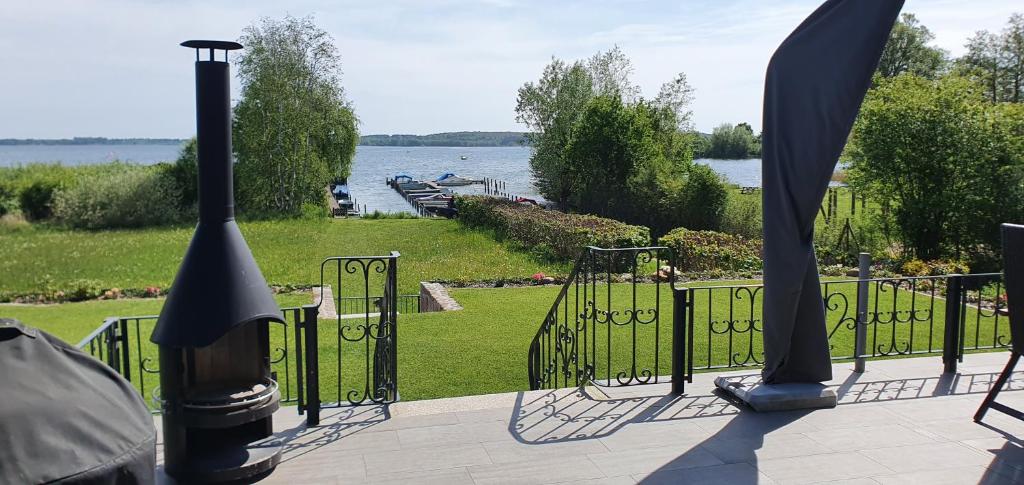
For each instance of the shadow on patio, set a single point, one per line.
(725, 440)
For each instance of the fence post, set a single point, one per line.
(309, 324)
(680, 306)
(125, 351)
(861, 331)
(951, 340)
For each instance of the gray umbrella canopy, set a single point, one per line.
(67, 417)
(815, 84)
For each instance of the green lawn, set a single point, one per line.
(288, 252)
(483, 348)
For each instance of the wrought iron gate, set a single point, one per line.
(350, 359)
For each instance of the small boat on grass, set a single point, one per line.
(451, 180)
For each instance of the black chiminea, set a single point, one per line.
(215, 381)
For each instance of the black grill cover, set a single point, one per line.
(65, 416)
(815, 84)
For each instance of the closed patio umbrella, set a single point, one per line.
(814, 87)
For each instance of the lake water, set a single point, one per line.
(371, 167)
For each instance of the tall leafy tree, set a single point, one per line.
(908, 51)
(1011, 56)
(997, 61)
(732, 142)
(294, 129)
(944, 158)
(550, 108)
(600, 147)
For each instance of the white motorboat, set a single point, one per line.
(450, 180)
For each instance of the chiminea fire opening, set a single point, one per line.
(218, 393)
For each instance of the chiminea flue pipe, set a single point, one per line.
(213, 129)
(219, 286)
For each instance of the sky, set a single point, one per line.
(113, 68)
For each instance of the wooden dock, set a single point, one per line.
(428, 198)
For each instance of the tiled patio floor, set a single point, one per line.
(900, 422)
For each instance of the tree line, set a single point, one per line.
(454, 139)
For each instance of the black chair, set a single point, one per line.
(1013, 274)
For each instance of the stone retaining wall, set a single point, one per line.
(434, 297)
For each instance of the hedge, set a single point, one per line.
(554, 234)
(699, 251)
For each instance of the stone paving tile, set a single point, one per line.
(513, 451)
(734, 473)
(405, 422)
(934, 409)
(927, 456)
(964, 428)
(867, 437)
(738, 450)
(851, 481)
(950, 476)
(320, 468)
(752, 425)
(451, 476)
(649, 460)
(563, 469)
(484, 415)
(670, 434)
(820, 468)
(1000, 449)
(362, 441)
(453, 434)
(436, 458)
(852, 416)
(623, 480)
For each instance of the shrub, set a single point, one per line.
(389, 215)
(916, 267)
(185, 173)
(713, 251)
(742, 215)
(553, 234)
(36, 199)
(702, 201)
(135, 197)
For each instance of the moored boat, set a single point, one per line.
(449, 179)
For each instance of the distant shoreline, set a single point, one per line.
(448, 139)
(77, 141)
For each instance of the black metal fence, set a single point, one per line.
(351, 305)
(604, 332)
(352, 356)
(609, 333)
(123, 343)
(866, 318)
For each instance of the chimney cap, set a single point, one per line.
(226, 45)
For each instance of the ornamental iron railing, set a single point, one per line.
(581, 339)
(901, 316)
(123, 343)
(606, 324)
